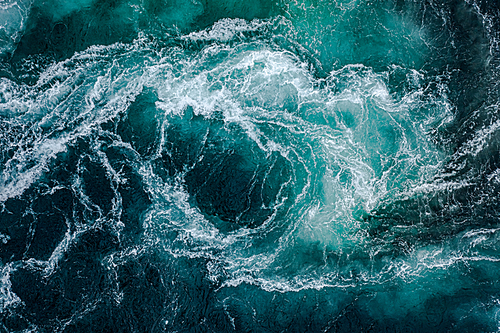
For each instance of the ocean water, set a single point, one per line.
(229, 166)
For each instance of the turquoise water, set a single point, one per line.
(216, 166)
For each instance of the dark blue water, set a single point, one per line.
(228, 166)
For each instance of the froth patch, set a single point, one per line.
(227, 29)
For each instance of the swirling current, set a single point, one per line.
(265, 166)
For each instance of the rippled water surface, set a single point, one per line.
(236, 166)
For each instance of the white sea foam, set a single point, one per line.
(7, 297)
(227, 29)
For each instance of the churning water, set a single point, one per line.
(249, 166)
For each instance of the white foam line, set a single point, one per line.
(480, 140)
(226, 29)
(7, 297)
(44, 153)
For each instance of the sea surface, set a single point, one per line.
(249, 166)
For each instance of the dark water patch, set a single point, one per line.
(97, 185)
(72, 29)
(15, 322)
(335, 311)
(134, 197)
(185, 140)
(47, 231)
(78, 281)
(108, 187)
(104, 318)
(15, 228)
(229, 177)
(439, 317)
(156, 295)
(468, 45)
(38, 219)
(140, 126)
(253, 309)
(433, 218)
(216, 10)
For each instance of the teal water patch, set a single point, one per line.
(14, 15)
(226, 166)
(359, 32)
